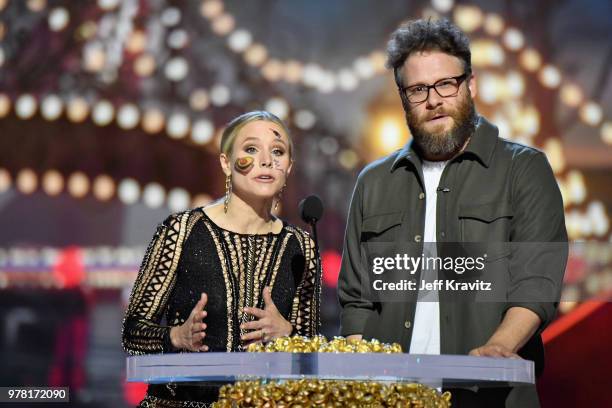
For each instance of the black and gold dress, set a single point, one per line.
(190, 254)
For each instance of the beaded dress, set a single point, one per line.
(190, 254)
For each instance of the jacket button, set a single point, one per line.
(421, 196)
(417, 238)
(407, 324)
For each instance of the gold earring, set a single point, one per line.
(228, 192)
(279, 197)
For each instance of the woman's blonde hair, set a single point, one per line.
(231, 130)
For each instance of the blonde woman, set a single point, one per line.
(220, 277)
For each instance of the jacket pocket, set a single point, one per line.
(381, 228)
(487, 224)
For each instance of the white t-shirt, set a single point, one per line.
(426, 328)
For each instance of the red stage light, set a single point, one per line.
(134, 392)
(331, 261)
(69, 270)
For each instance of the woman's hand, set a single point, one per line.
(269, 325)
(190, 335)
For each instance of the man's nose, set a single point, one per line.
(433, 99)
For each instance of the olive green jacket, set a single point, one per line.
(494, 191)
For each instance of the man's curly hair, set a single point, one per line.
(427, 35)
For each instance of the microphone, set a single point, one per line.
(311, 209)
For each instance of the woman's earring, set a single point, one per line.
(228, 192)
(279, 197)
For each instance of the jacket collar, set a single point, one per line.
(481, 145)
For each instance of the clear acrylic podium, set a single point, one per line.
(434, 370)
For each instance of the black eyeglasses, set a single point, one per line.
(445, 87)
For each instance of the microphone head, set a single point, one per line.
(311, 209)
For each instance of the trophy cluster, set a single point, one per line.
(319, 344)
(330, 393)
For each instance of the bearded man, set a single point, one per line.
(456, 181)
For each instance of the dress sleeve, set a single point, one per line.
(142, 332)
(305, 315)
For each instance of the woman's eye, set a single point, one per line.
(278, 152)
(250, 150)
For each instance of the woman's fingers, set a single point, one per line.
(198, 327)
(255, 335)
(267, 295)
(258, 313)
(199, 307)
(253, 325)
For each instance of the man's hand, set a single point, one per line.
(515, 330)
(269, 325)
(190, 335)
(493, 350)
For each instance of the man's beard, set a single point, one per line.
(444, 145)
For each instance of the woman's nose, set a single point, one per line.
(266, 160)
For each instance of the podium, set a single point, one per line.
(449, 371)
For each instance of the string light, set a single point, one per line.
(36, 5)
(220, 95)
(144, 65)
(5, 105)
(199, 100)
(606, 132)
(278, 106)
(58, 19)
(103, 113)
(550, 76)
(128, 191)
(468, 18)
(78, 184)
(94, 56)
(5, 180)
(178, 199)
(176, 69)
(178, 126)
(348, 159)
(202, 131)
(178, 39)
(128, 116)
(304, 119)
(571, 95)
(25, 107)
(513, 39)
(78, 109)
(530, 59)
(103, 187)
(153, 195)
(53, 182)
(136, 42)
(51, 107)
(26, 181)
(493, 24)
(240, 40)
(591, 113)
(153, 120)
(108, 4)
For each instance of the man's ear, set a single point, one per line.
(226, 166)
(472, 85)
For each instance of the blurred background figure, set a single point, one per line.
(110, 119)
